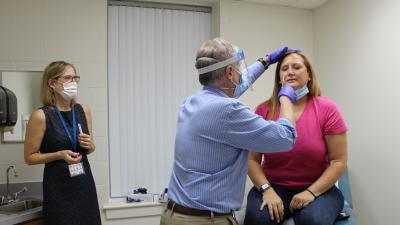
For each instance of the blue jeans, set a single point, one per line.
(322, 211)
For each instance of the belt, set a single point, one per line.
(193, 212)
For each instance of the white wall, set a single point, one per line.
(34, 33)
(357, 47)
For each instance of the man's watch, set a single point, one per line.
(261, 60)
(265, 187)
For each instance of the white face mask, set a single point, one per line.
(70, 90)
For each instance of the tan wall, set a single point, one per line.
(356, 51)
(260, 29)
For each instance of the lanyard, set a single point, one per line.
(72, 139)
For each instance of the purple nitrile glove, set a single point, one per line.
(275, 56)
(287, 91)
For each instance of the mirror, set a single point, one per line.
(26, 86)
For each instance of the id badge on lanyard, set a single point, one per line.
(74, 169)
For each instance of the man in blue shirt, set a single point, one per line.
(215, 132)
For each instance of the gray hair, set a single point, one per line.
(211, 52)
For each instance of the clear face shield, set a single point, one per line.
(239, 63)
(237, 60)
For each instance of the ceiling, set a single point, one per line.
(306, 4)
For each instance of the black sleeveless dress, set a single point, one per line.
(66, 200)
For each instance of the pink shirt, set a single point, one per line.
(301, 166)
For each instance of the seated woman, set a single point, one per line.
(300, 183)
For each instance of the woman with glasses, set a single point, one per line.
(59, 134)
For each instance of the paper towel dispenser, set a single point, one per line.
(8, 107)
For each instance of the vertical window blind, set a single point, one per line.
(151, 56)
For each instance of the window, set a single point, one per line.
(151, 56)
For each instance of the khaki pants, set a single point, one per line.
(173, 218)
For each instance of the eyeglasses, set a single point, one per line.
(69, 78)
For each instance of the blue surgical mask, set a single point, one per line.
(302, 92)
(244, 84)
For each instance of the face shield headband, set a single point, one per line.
(238, 58)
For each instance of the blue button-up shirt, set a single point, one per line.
(214, 133)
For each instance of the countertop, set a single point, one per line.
(21, 217)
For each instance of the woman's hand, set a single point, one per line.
(301, 200)
(85, 141)
(274, 204)
(70, 157)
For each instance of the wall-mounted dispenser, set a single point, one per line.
(8, 107)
